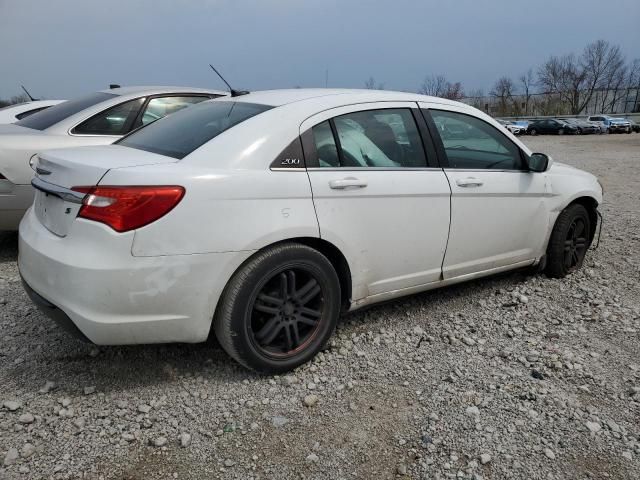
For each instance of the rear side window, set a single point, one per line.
(49, 117)
(113, 121)
(386, 138)
(160, 107)
(181, 133)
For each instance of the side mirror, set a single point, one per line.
(539, 162)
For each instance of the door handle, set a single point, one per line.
(469, 182)
(348, 182)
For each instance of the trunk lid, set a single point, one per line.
(58, 171)
(12, 129)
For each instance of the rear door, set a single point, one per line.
(499, 214)
(377, 196)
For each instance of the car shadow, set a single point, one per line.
(72, 365)
(8, 247)
(48, 353)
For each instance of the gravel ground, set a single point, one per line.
(517, 376)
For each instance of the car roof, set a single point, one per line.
(152, 90)
(278, 98)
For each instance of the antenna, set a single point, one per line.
(28, 94)
(234, 93)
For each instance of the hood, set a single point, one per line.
(559, 168)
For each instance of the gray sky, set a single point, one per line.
(63, 48)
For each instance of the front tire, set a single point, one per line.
(279, 309)
(569, 241)
(533, 132)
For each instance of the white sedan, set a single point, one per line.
(96, 119)
(15, 113)
(260, 218)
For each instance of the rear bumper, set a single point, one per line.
(53, 312)
(14, 201)
(90, 282)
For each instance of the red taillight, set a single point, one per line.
(128, 208)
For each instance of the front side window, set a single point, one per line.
(471, 143)
(113, 121)
(162, 106)
(49, 117)
(181, 133)
(373, 138)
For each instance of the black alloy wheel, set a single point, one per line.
(279, 309)
(575, 245)
(287, 312)
(569, 242)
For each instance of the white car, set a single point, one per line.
(96, 119)
(15, 113)
(260, 218)
(512, 127)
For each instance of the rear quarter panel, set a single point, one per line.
(223, 210)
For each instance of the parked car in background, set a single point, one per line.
(634, 126)
(17, 112)
(523, 124)
(619, 125)
(551, 126)
(260, 218)
(95, 119)
(612, 124)
(512, 127)
(584, 127)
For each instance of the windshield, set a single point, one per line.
(181, 133)
(49, 117)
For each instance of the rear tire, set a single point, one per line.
(569, 242)
(533, 132)
(279, 309)
(561, 131)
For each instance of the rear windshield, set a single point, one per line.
(46, 118)
(181, 133)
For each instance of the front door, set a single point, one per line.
(499, 214)
(378, 196)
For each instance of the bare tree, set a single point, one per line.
(503, 90)
(575, 79)
(454, 91)
(633, 86)
(527, 82)
(477, 99)
(21, 98)
(370, 84)
(434, 85)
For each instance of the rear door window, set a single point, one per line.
(181, 133)
(386, 138)
(113, 121)
(159, 107)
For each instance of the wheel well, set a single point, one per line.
(591, 205)
(338, 261)
(333, 254)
